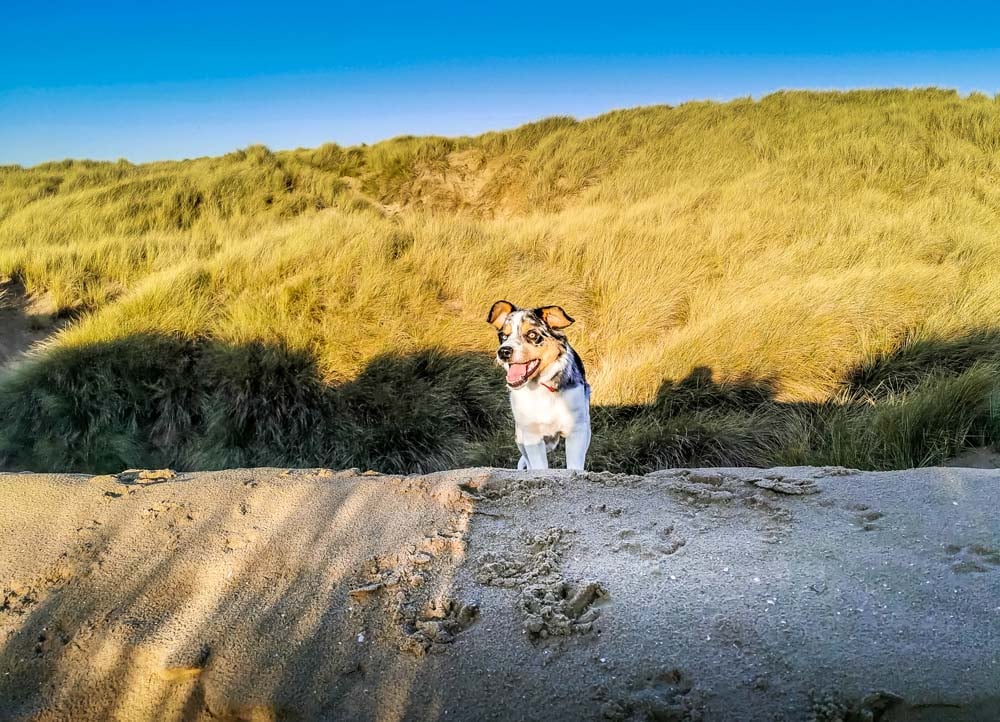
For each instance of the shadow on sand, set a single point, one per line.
(165, 604)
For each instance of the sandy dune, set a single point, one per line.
(482, 594)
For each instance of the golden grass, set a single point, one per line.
(788, 240)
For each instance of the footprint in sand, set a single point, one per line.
(49, 639)
(402, 582)
(864, 516)
(665, 542)
(234, 541)
(550, 604)
(972, 558)
(438, 622)
(18, 596)
(173, 519)
(668, 695)
(613, 512)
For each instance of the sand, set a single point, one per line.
(482, 594)
(976, 457)
(25, 322)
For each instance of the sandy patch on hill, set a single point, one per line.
(24, 321)
(484, 594)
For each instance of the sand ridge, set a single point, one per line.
(266, 594)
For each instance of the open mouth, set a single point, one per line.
(518, 374)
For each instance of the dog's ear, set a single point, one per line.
(499, 313)
(555, 317)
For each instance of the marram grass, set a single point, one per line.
(809, 278)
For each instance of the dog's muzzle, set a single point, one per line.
(518, 374)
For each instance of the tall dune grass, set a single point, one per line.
(740, 273)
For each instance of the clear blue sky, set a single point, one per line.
(150, 80)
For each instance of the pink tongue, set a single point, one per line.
(516, 373)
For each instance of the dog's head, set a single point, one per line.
(530, 340)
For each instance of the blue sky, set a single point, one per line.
(180, 79)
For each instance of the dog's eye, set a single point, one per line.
(532, 336)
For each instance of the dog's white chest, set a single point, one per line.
(539, 412)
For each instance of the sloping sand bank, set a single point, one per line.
(481, 594)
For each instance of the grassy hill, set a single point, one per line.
(810, 278)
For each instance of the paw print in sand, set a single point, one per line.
(972, 558)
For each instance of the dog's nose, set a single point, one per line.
(504, 353)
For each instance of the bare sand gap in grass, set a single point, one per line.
(268, 594)
(24, 322)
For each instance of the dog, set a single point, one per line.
(549, 393)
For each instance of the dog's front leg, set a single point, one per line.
(577, 444)
(535, 453)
